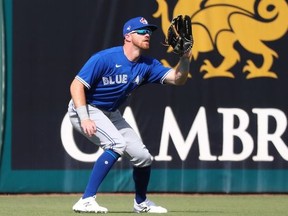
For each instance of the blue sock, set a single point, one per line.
(141, 176)
(101, 168)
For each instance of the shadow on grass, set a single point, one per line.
(183, 212)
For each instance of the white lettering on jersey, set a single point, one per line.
(117, 79)
(137, 80)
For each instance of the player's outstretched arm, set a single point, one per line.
(178, 76)
(180, 38)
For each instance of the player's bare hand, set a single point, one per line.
(89, 127)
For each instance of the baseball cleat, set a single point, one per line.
(148, 207)
(89, 205)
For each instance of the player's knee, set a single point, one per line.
(119, 148)
(143, 161)
(117, 145)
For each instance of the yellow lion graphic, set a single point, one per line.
(219, 24)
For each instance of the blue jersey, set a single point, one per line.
(110, 77)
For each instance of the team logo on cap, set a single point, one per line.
(144, 21)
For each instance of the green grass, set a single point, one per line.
(122, 204)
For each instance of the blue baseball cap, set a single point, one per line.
(137, 23)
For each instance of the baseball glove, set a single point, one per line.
(179, 35)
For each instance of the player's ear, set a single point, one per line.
(127, 37)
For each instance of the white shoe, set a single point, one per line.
(149, 207)
(89, 205)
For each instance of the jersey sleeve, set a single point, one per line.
(158, 72)
(91, 71)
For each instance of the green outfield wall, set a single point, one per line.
(2, 76)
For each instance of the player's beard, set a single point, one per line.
(143, 44)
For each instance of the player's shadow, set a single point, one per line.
(187, 211)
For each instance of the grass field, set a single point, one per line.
(121, 204)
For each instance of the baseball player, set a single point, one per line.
(103, 83)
